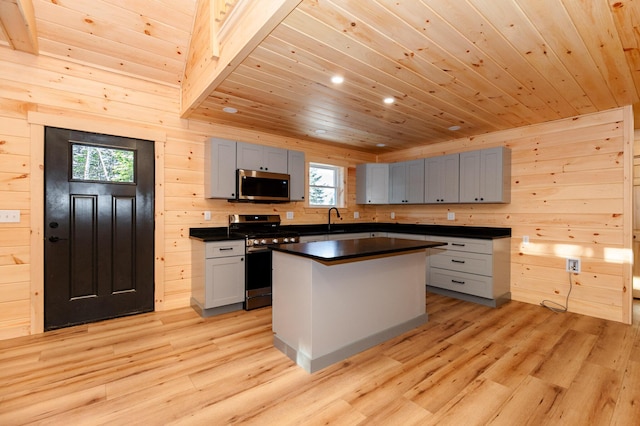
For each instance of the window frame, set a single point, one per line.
(339, 184)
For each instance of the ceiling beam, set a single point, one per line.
(215, 52)
(18, 24)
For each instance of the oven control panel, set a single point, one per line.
(252, 242)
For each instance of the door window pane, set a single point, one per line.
(100, 164)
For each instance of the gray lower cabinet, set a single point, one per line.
(218, 272)
(472, 269)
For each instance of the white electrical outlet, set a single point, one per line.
(10, 216)
(289, 215)
(451, 216)
(525, 239)
(207, 215)
(573, 265)
(356, 215)
(393, 215)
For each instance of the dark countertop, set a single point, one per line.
(212, 234)
(481, 232)
(341, 250)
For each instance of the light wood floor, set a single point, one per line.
(515, 365)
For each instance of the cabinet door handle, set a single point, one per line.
(457, 282)
(458, 244)
(457, 261)
(226, 248)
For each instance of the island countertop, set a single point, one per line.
(338, 251)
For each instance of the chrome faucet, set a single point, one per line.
(329, 218)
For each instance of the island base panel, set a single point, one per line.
(322, 314)
(313, 365)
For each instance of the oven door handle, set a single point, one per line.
(257, 249)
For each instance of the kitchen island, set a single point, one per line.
(333, 299)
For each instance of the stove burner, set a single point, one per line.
(260, 230)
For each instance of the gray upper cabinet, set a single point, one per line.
(260, 157)
(372, 183)
(220, 168)
(442, 177)
(485, 176)
(406, 182)
(296, 169)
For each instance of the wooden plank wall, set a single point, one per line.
(61, 94)
(567, 186)
(636, 208)
(568, 195)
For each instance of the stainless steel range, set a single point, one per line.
(260, 232)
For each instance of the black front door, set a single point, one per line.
(99, 223)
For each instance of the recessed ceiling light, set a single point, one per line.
(337, 79)
(320, 132)
(380, 145)
(454, 128)
(389, 100)
(229, 110)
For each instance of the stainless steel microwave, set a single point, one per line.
(254, 185)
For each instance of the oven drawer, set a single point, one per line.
(224, 249)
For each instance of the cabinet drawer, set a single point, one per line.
(477, 285)
(465, 244)
(224, 249)
(473, 263)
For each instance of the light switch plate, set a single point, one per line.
(10, 216)
(451, 216)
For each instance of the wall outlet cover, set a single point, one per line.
(207, 215)
(289, 215)
(451, 216)
(393, 215)
(356, 215)
(573, 265)
(10, 216)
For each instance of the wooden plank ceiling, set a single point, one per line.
(483, 65)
